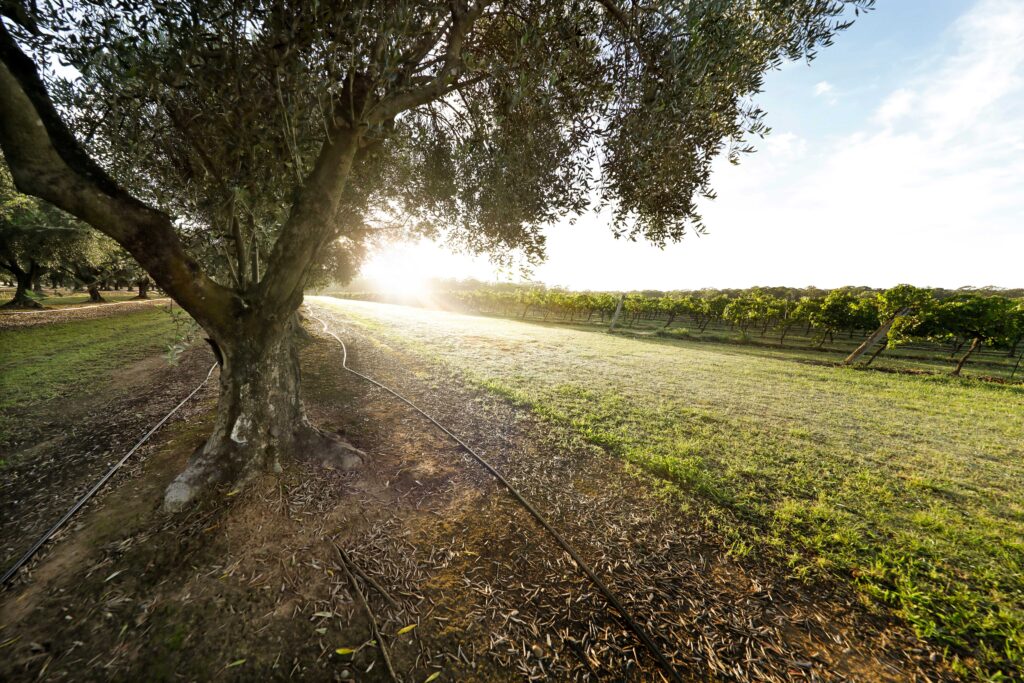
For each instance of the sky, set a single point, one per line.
(895, 156)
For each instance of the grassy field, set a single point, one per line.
(921, 355)
(48, 361)
(932, 357)
(67, 298)
(917, 356)
(910, 487)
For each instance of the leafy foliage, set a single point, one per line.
(37, 238)
(487, 118)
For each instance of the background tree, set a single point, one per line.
(865, 314)
(98, 261)
(741, 312)
(969, 317)
(1014, 327)
(225, 144)
(35, 238)
(791, 315)
(834, 314)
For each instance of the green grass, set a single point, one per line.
(920, 355)
(41, 363)
(931, 357)
(74, 299)
(909, 487)
(83, 299)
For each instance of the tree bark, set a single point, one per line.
(94, 294)
(260, 422)
(881, 347)
(260, 416)
(143, 288)
(975, 343)
(21, 298)
(47, 161)
(37, 282)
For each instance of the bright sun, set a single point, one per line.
(403, 270)
(407, 269)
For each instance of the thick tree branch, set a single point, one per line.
(46, 161)
(446, 79)
(618, 14)
(310, 225)
(628, 30)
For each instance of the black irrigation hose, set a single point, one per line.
(9, 574)
(580, 564)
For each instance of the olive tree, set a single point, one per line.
(35, 238)
(97, 261)
(228, 144)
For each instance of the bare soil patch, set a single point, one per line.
(62, 447)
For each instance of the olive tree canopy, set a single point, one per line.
(235, 146)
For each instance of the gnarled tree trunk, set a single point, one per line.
(260, 421)
(143, 288)
(24, 284)
(94, 294)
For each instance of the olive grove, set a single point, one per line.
(237, 149)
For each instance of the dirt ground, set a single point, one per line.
(460, 581)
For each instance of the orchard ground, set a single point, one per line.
(65, 298)
(767, 518)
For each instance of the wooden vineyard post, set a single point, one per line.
(875, 337)
(618, 312)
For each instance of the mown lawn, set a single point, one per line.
(74, 299)
(49, 361)
(987, 362)
(911, 487)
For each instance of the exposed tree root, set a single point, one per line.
(235, 464)
(23, 302)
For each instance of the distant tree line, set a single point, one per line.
(965, 320)
(41, 245)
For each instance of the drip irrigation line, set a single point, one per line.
(9, 574)
(583, 567)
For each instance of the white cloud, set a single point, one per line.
(933, 197)
(898, 104)
(784, 147)
(986, 68)
(827, 91)
(927, 188)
